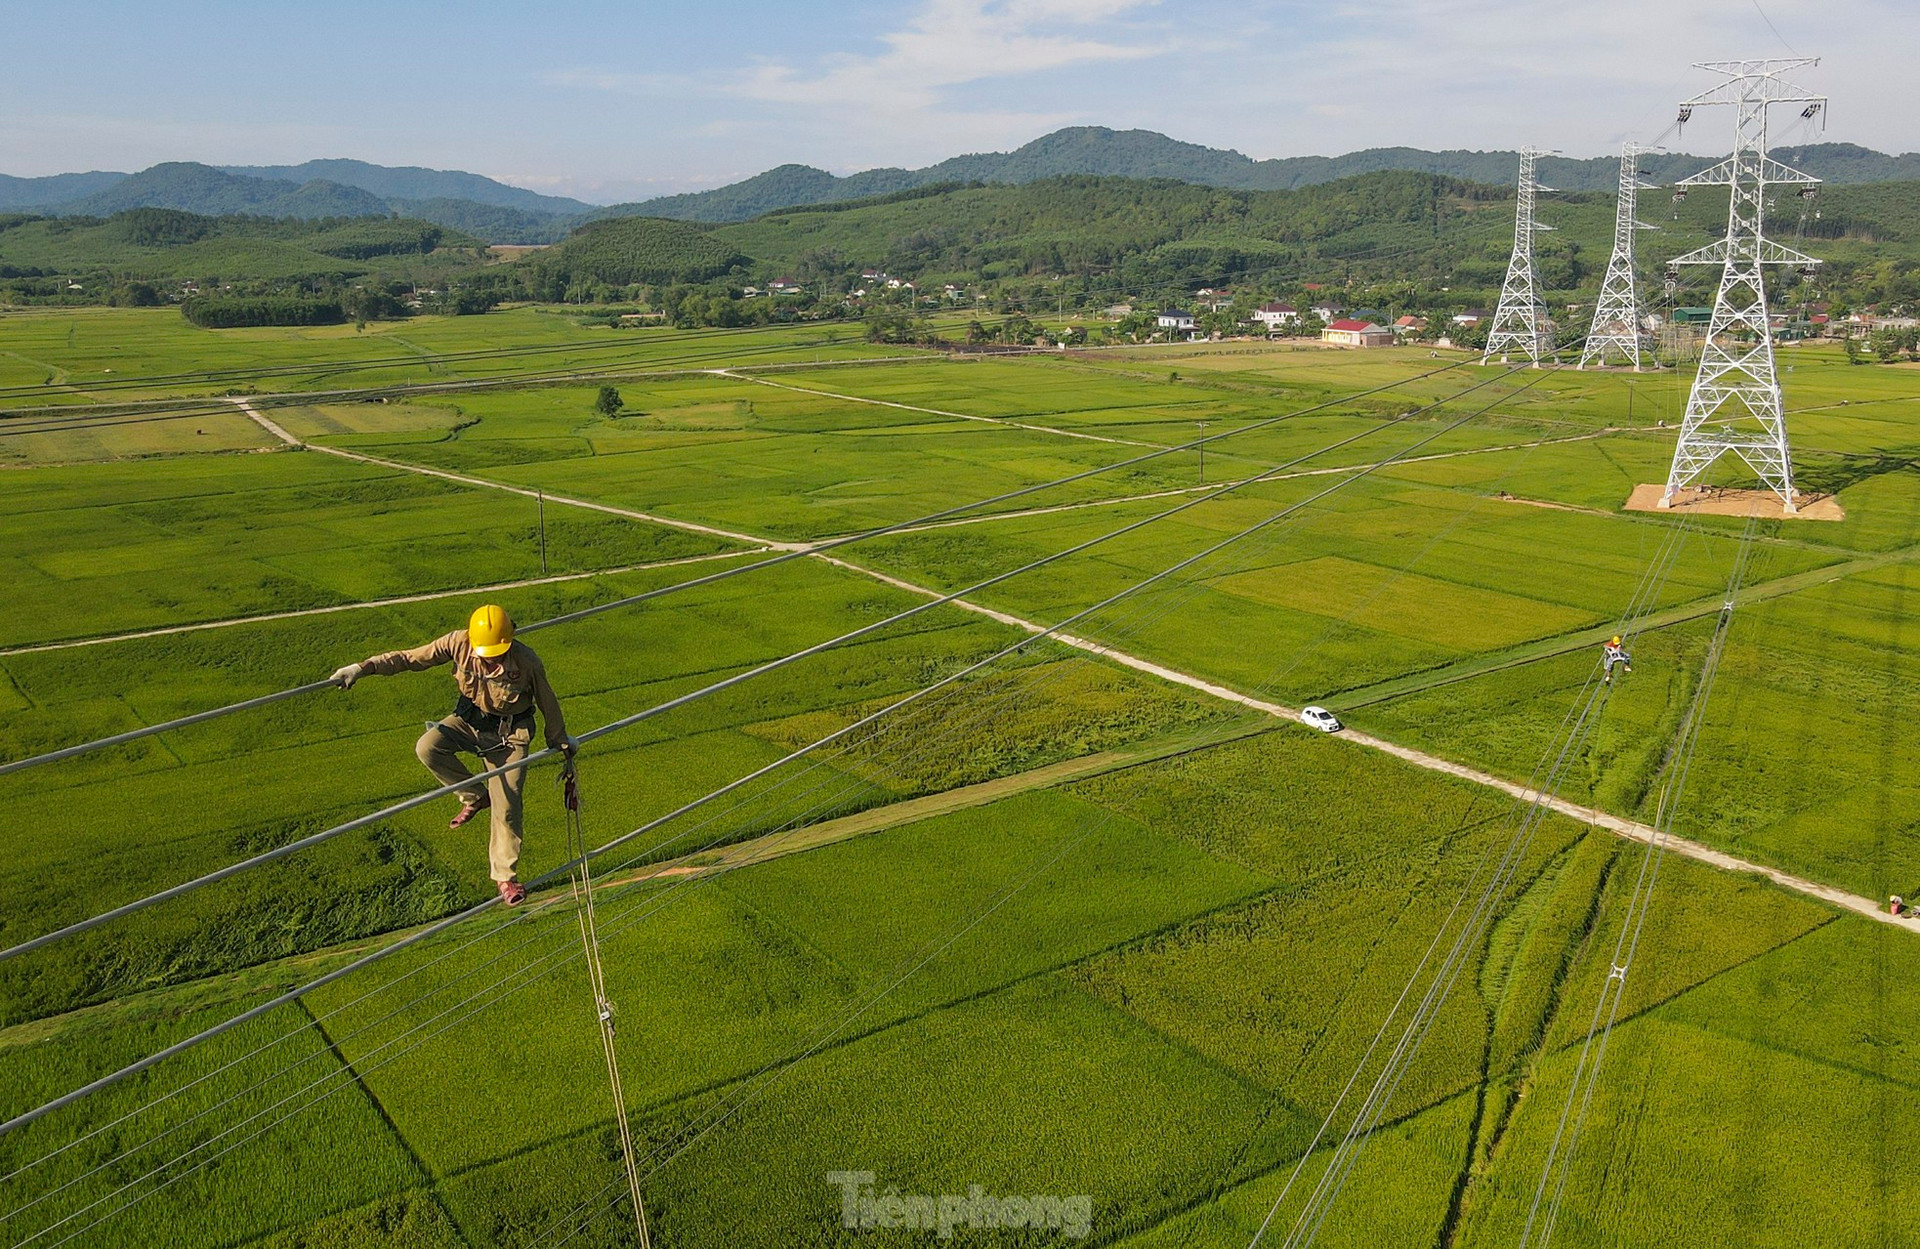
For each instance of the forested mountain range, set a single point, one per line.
(1124, 234)
(500, 213)
(1162, 239)
(1102, 152)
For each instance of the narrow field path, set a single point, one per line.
(960, 416)
(523, 491)
(829, 832)
(365, 604)
(1633, 830)
(271, 426)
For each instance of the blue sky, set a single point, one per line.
(611, 101)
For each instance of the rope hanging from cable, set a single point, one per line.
(582, 890)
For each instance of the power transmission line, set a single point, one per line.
(615, 726)
(1359, 473)
(816, 548)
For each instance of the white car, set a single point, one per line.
(1320, 718)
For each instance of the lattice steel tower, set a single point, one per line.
(1736, 388)
(1616, 318)
(1521, 321)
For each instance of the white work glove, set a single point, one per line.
(345, 677)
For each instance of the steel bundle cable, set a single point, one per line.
(522, 972)
(756, 1084)
(1586, 1074)
(1019, 645)
(644, 854)
(1491, 874)
(1185, 563)
(638, 717)
(293, 847)
(726, 1111)
(784, 557)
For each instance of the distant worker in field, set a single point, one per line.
(1614, 655)
(500, 683)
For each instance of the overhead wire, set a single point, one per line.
(1490, 875)
(1644, 597)
(269, 1045)
(784, 557)
(417, 359)
(639, 717)
(690, 1136)
(1361, 472)
(313, 839)
(56, 417)
(1557, 1169)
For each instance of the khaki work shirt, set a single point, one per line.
(518, 687)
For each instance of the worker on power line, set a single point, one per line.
(1614, 655)
(501, 683)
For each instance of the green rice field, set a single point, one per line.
(1088, 923)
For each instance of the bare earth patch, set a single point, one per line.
(1717, 502)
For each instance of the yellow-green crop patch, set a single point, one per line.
(1438, 612)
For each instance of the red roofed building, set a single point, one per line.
(1357, 334)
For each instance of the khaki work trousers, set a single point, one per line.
(440, 748)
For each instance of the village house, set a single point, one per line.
(1273, 316)
(1346, 333)
(1174, 319)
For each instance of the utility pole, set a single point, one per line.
(1737, 387)
(541, 498)
(1521, 322)
(1203, 453)
(1616, 318)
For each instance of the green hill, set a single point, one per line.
(165, 245)
(210, 192)
(1447, 234)
(413, 182)
(637, 249)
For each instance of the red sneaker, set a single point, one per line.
(468, 809)
(512, 892)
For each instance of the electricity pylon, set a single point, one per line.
(1520, 321)
(1616, 318)
(1737, 388)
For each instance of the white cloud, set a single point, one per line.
(936, 85)
(951, 43)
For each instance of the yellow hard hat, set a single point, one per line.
(490, 631)
(1615, 642)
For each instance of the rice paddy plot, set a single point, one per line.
(1103, 953)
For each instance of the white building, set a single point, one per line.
(1273, 316)
(1174, 319)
